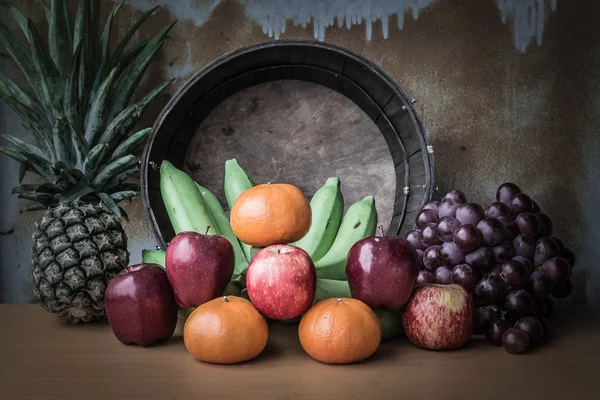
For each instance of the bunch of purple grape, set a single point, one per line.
(505, 255)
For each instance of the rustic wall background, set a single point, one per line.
(506, 89)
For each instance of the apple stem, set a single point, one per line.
(380, 230)
(225, 299)
(207, 229)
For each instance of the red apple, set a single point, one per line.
(281, 281)
(382, 271)
(439, 317)
(140, 305)
(199, 267)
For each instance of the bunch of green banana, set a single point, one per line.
(359, 222)
(185, 205)
(327, 207)
(194, 208)
(391, 321)
(154, 257)
(237, 182)
(224, 228)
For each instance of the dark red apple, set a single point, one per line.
(282, 281)
(199, 267)
(140, 305)
(382, 271)
(439, 317)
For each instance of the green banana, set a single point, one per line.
(224, 227)
(359, 222)
(154, 257)
(331, 288)
(237, 182)
(327, 206)
(185, 206)
(391, 323)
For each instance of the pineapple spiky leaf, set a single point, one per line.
(76, 191)
(124, 195)
(132, 75)
(105, 39)
(93, 159)
(110, 203)
(131, 143)
(78, 106)
(32, 207)
(98, 110)
(131, 31)
(59, 41)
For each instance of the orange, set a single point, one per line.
(271, 214)
(340, 331)
(225, 330)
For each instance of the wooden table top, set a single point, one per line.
(42, 359)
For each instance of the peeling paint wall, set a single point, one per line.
(506, 89)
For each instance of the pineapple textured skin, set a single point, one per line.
(77, 249)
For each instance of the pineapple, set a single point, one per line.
(79, 110)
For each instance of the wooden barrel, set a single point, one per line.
(295, 112)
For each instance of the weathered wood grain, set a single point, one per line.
(299, 133)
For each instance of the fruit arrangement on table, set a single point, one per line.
(463, 270)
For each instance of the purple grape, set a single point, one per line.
(518, 302)
(428, 236)
(495, 270)
(420, 258)
(528, 223)
(496, 330)
(515, 341)
(539, 306)
(526, 262)
(490, 290)
(503, 252)
(431, 258)
(545, 248)
(519, 204)
(445, 228)
(560, 244)
(546, 227)
(562, 290)
(456, 196)
(492, 231)
(425, 276)
(514, 273)
(549, 307)
(414, 237)
(539, 284)
(425, 218)
(546, 326)
(447, 208)
(511, 229)
(568, 255)
(506, 191)
(481, 258)
(465, 276)
(443, 276)
(536, 207)
(524, 245)
(469, 213)
(431, 205)
(451, 254)
(497, 209)
(532, 327)
(484, 316)
(467, 238)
